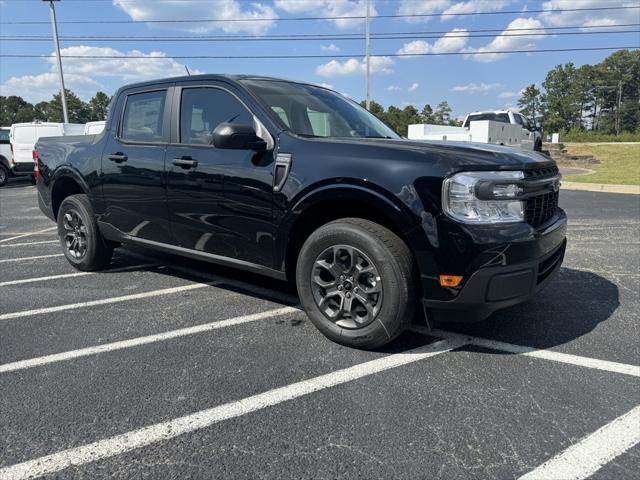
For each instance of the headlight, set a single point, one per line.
(484, 197)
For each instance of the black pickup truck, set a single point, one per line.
(296, 182)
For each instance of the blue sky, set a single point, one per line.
(467, 82)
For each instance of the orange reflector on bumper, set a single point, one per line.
(450, 280)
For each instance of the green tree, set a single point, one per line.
(530, 103)
(15, 109)
(563, 102)
(99, 106)
(79, 111)
(442, 115)
(426, 116)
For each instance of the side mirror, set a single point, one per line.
(234, 136)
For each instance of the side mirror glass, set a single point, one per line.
(233, 136)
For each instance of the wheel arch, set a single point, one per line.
(335, 201)
(66, 182)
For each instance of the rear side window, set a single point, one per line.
(143, 117)
(4, 136)
(495, 117)
(203, 109)
(25, 135)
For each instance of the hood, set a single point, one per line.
(450, 155)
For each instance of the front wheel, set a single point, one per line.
(81, 241)
(356, 281)
(4, 175)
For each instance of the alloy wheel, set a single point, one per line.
(346, 286)
(75, 234)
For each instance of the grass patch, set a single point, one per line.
(618, 163)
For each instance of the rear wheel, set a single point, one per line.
(81, 241)
(4, 175)
(355, 279)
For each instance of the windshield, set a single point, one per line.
(317, 112)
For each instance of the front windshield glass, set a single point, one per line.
(317, 112)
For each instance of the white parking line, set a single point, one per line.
(104, 301)
(136, 342)
(71, 275)
(22, 235)
(159, 432)
(24, 259)
(552, 355)
(28, 244)
(586, 457)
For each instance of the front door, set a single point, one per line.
(219, 200)
(133, 168)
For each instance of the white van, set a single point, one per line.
(24, 136)
(6, 157)
(94, 128)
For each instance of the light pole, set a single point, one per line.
(368, 53)
(56, 44)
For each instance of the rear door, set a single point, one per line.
(23, 139)
(219, 200)
(133, 166)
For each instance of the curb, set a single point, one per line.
(601, 187)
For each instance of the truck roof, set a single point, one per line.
(490, 111)
(213, 77)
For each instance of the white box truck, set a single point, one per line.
(498, 127)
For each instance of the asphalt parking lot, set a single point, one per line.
(166, 368)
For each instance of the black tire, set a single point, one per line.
(395, 269)
(4, 175)
(96, 252)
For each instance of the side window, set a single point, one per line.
(203, 109)
(4, 136)
(502, 117)
(518, 119)
(143, 117)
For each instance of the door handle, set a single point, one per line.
(185, 162)
(118, 157)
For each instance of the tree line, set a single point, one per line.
(14, 109)
(601, 98)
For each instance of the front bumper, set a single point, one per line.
(493, 288)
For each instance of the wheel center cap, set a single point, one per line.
(347, 285)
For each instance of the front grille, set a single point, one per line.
(540, 208)
(538, 173)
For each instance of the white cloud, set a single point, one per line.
(414, 87)
(471, 6)
(425, 7)
(452, 41)
(509, 94)
(38, 88)
(587, 18)
(329, 48)
(144, 10)
(507, 41)
(476, 87)
(329, 8)
(326, 85)
(393, 88)
(84, 75)
(352, 66)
